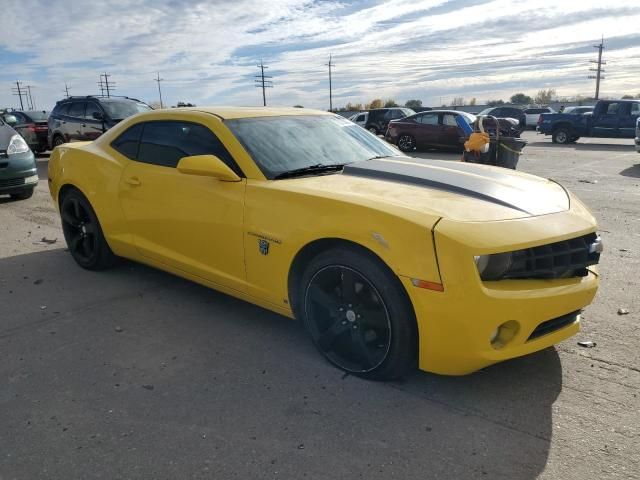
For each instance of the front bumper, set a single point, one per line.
(456, 325)
(18, 172)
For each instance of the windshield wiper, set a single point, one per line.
(378, 157)
(311, 169)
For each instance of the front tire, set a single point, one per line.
(561, 135)
(83, 233)
(406, 143)
(373, 130)
(358, 314)
(58, 140)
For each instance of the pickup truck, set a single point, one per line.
(610, 119)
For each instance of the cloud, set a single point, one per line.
(207, 51)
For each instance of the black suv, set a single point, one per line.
(379, 118)
(86, 118)
(507, 112)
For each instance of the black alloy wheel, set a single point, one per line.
(358, 315)
(83, 234)
(406, 143)
(373, 130)
(58, 140)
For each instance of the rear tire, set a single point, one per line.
(373, 130)
(58, 140)
(358, 315)
(561, 135)
(22, 195)
(406, 143)
(83, 233)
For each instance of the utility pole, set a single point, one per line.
(30, 97)
(158, 79)
(599, 70)
(262, 82)
(19, 92)
(66, 89)
(330, 64)
(106, 84)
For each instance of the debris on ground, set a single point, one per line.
(623, 311)
(46, 241)
(587, 344)
(43, 307)
(118, 329)
(587, 181)
(148, 386)
(38, 281)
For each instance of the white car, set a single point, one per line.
(360, 118)
(533, 114)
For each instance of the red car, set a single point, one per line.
(432, 129)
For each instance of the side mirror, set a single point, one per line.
(98, 115)
(207, 166)
(10, 119)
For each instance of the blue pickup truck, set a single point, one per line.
(610, 119)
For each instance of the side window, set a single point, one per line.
(63, 110)
(91, 109)
(128, 141)
(449, 120)
(77, 109)
(398, 114)
(428, 119)
(388, 115)
(612, 109)
(360, 118)
(165, 143)
(635, 109)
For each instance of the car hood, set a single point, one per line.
(454, 190)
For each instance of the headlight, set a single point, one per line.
(17, 145)
(493, 267)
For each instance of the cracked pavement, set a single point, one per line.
(134, 373)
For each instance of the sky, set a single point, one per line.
(207, 52)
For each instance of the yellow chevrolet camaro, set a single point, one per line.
(389, 261)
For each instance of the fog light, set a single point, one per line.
(504, 334)
(31, 179)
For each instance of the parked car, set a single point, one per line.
(88, 117)
(507, 112)
(637, 139)
(431, 129)
(532, 115)
(378, 119)
(609, 119)
(18, 173)
(32, 125)
(578, 110)
(360, 118)
(389, 262)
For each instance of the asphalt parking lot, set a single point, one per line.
(134, 373)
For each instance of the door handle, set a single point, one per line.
(133, 181)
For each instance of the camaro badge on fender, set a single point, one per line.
(263, 245)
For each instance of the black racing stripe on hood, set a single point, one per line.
(496, 185)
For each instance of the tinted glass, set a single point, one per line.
(77, 109)
(428, 119)
(635, 109)
(20, 118)
(612, 109)
(127, 142)
(407, 112)
(360, 118)
(62, 109)
(511, 112)
(165, 143)
(449, 120)
(281, 144)
(121, 109)
(91, 109)
(38, 115)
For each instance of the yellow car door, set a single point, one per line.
(190, 222)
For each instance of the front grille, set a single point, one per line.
(569, 258)
(12, 182)
(554, 324)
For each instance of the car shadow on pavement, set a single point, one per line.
(133, 368)
(605, 147)
(633, 171)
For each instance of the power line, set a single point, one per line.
(598, 76)
(158, 79)
(330, 64)
(19, 92)
(262, 82)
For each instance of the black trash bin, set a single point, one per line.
(508, 151)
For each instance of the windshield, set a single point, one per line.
(38, 115)
(281, 144)
(120, 109)
(485, 111)
(469, 117)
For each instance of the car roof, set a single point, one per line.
(230, 113)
